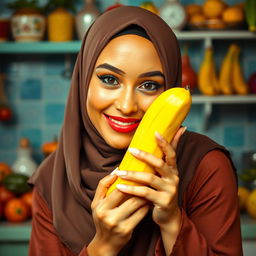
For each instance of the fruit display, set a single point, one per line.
(243, 194)
(250, 14)
(189, 76)
(49, 147)
(5, 110)
(165, 115)
(15, 195)
(231, 76)
(208, 83)
(150, 6)
(4, 170)
(250, 204)
(215, 14)
(252, 83)
(230, 79)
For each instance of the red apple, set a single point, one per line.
(252, 83)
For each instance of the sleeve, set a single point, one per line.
(43, 239)
(210, 222)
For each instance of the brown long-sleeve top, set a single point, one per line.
(210, 216)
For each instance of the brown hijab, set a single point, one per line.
(68, 178)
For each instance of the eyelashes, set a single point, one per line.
(108, 79)
(147, 86)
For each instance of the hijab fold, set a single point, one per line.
(68, 178)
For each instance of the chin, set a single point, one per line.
(119, 143)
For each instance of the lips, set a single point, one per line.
(123, 125)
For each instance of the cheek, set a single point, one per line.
(97, 98)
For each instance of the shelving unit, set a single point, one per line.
(14, 237)
(72, 47)
(209, 101)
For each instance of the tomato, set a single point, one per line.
(16, 210)
(5, 195)
(27, 199)
(5, 169)
(5, 113)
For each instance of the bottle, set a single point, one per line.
(24, 163)
(86, 17)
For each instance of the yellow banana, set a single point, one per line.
(214, 78)
(239, 84)
(165, 115)
(226, 71)
(207, 79)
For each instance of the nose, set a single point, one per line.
(127, 101)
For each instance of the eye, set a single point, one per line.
(150, 86)
(108, 79)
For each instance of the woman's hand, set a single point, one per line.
(114, 217)
(160, 188)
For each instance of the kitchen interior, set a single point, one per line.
(37, 53)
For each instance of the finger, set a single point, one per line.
(157, 163)
(160, 198)
(168, 150)
(114, 199)
(129, 207)
(103, 187)
(148, 179)
(139, 191)
(131, 222)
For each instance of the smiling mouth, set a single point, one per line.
(123, 125)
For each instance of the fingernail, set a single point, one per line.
(114, 172)
(134, 151)
(159, 136)
(121, 186)
(121, 173)
(184, 129)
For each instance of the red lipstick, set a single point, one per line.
(121, 124)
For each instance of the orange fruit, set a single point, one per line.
(192, 9)
(150, 7)
(233, 14)
(49, 147)
(27, 199)
(251, 204)
(215, 24)
(197, 19)
(5, 195)
(16, 210)
(243, 194)
(213, 8)
(5, 169)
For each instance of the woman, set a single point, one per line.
(189, 207)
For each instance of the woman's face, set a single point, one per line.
(127, 77)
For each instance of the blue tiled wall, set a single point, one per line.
(37, 92)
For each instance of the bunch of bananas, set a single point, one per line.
(230, 79)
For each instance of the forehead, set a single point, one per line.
(127, 48)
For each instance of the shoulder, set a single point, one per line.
(213, 176)
(41, 180)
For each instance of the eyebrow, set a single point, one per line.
(112, 68)
(152, 73)
(121, 72)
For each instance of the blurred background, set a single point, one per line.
(39, 41)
